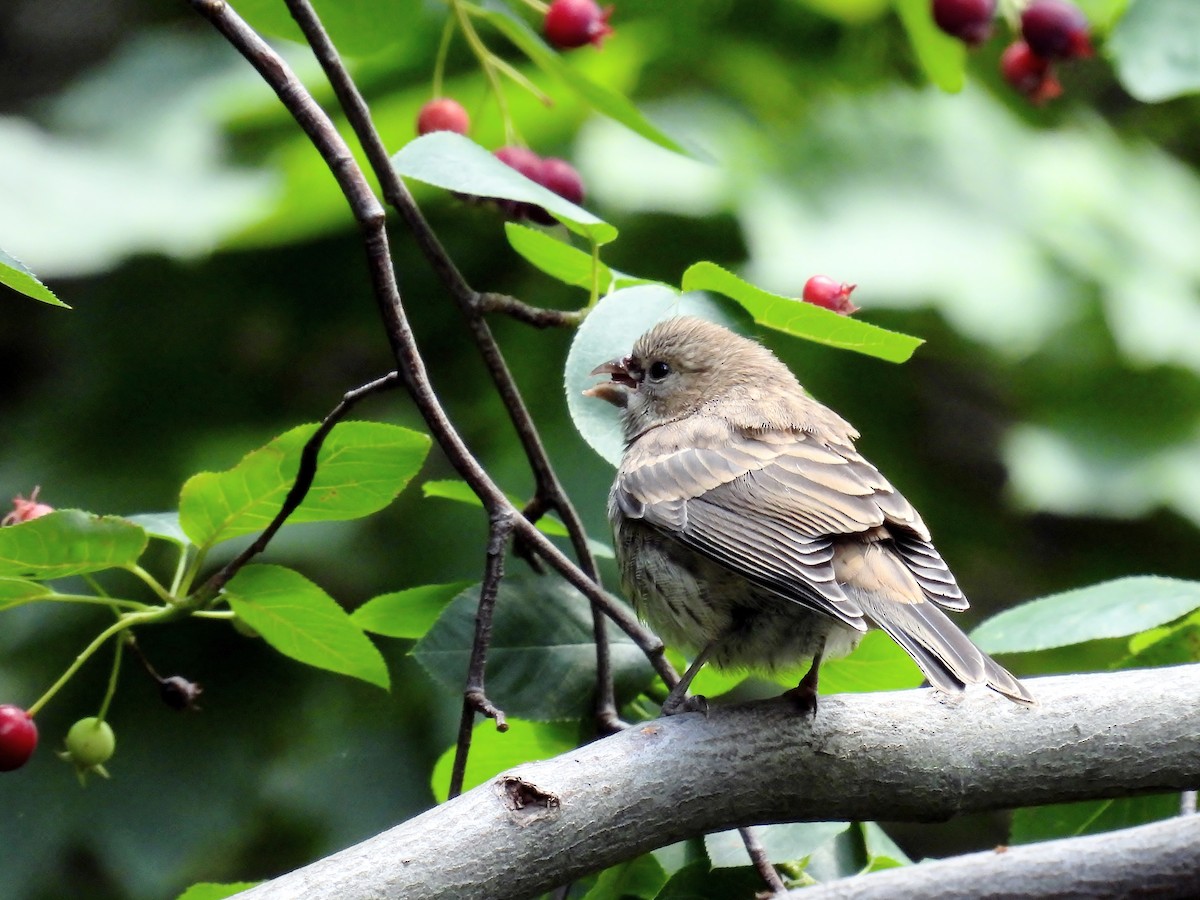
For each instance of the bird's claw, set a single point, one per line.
(687, 703)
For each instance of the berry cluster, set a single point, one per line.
(568, 24)
(555, 175)
(1051, 31)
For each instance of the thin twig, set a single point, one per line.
(549, 488)
(474, 695)
(299, 489)
(758, 856)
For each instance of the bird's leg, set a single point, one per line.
(678, 700)
(804, 695)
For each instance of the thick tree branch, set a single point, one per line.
(915, 755)
(1159, 860)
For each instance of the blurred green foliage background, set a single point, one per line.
(1049, 430)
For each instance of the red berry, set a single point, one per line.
(573, 23)
(560, 176)
(522, 159)
(18, 737)
(26, 509)
(968, 20)
(1029, 73)
(1055, 29)
(823, 291)
(443, 114)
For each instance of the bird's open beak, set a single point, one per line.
(615, 391)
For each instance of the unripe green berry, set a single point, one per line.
(90, 743)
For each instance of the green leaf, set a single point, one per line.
(800, 319)
(164, 525)
(210, 891)
(557, 258)
(17, 276)
(541, 661)
(943, 58)
(608, 333)
(567, 263)
(641, 877)
(602, 98)
(454, 489)
(877, 665)
(1156, 49)
(1169, 646)
(409, 613)
(1062, 820)
(882, 851)
(1112, 609)
(783, 843)
(300, 620)
(699, 880)
(493, 752)
(361, 468)
(15, 591)
(69, 542)
(451, 161)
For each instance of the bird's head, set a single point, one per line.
(681, 365)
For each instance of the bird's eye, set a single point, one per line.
(659, 370)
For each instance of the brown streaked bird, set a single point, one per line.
(750, 532)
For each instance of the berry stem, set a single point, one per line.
(1010, 11)
(506, 68)
(128, 620)
(537, 6)
(112, 679)
(487, 62)
(439, 64)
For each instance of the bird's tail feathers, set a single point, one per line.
(944, 654)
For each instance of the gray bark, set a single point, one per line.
(1160, 860)
(917, 755)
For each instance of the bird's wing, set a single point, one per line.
(770, 505)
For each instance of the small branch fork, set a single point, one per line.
(411, 368)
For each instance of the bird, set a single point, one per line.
(749, 531)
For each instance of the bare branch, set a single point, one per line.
(299, 489)
(912, 755)
(472, 305)
(1159, 860)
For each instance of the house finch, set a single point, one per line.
(749, 531)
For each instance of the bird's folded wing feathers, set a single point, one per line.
(770, 504)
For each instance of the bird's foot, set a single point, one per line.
(685, 703)
(804, 697)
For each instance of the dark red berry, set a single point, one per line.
(823, 291)
(1030, 74)
(25, 509)
(179, 693)
(528, 164)
(573, 23)
(522, 159)
(18, 737)
(443, 114)
(560, 176)
(1056, 29)
(968, 20)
